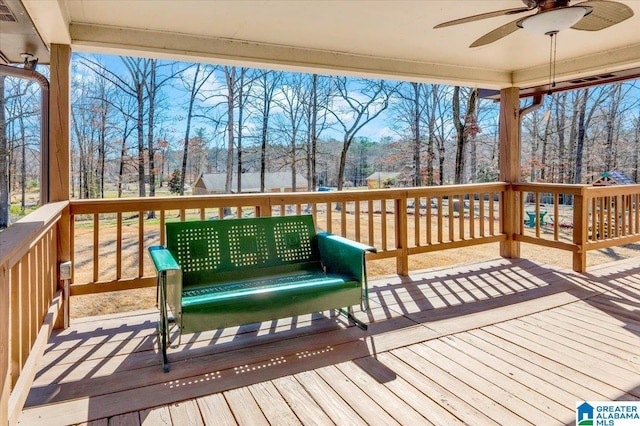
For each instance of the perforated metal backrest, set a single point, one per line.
(219, 250)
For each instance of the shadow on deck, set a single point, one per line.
(504, 341)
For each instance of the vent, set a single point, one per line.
(593, 78)
(5, 13)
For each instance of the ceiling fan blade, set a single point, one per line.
(604, 14)
(497, 34)
(483, 16)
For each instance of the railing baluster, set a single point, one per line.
(461, 213)
(141, 247)
(636, 207)
(33, 313)
(537, 212)
(492, 230)
(601, 214)
(119, 245)
(594, 221)
(19, 307)
(427, 221)
(356, 214)
(383, 222)
(440, 220)
(96, 246)
(416, 221)
(371, 222)
(343, 219)
(451, 227)
(481, 215)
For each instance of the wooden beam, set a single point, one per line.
(580, 225)
(59, 154)
(510, 167)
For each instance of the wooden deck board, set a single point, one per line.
(244, 407)
(273, 405)
(502, 342)
(215, 410)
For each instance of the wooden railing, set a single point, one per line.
(110, 237)
(108, 241)
(578, 218)
(29, 302)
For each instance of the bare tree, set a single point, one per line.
(583, 121)
(316, 111)
(362, 101)
(409, 113)
(291, 101)
(200, 77)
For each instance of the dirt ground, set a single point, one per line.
(131, 300)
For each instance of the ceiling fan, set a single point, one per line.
(551, 17)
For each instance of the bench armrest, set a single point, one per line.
(343, 256)
(169, 286)
(162, 259)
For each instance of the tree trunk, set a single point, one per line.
(582, 109)
(151, 152)
(23, 165)
(343, 161)
(462, 130)
(240, 117)
(611, 126)
(185, 151)
(432, 138)
(560, 128)
(417, 181)
(314, 134)
(4, 161)
(230, 73)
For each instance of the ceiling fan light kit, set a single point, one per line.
(554, 20)
(550, 17)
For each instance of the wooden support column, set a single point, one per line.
(510, 167)
(59, 153)
(580, 225)
(402, 260)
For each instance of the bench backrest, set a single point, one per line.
(221, 250)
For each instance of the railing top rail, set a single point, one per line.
(552, 188)
(225, 200)
(20, 237)
(471, 188)
(606, 191)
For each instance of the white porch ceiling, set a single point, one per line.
(391, 39)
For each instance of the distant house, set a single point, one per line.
(613, 178)
(214, 183)
(383, 180)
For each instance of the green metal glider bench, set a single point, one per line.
(221, 273)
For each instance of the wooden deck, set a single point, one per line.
(500, 342)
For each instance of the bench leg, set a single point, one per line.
(163, 328)
(352, 319)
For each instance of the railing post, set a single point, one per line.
(59, 154)
(402, 260)
(510, 168)
(580, 231)
(4, 345)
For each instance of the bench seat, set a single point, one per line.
(261, 299)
